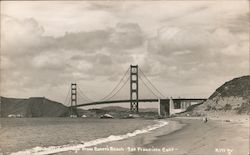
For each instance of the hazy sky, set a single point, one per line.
(186, 48)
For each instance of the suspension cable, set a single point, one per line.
(66, 97)
(147, 86)
(151, 83)
(107, 94)
(82, 94)
(105, 97)
(119, 89)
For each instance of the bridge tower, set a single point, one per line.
(134, 88)
(73, 102)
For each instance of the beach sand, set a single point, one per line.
(211, 138)
(184, 136)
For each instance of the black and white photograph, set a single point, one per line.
(124, 77)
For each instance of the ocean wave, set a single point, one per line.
(79, 147)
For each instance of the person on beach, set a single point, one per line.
(204, 119)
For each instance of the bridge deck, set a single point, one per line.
(140, 100)
(115, 101)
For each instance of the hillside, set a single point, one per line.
(32, 107)
(232, 97)
(116, 108)
(238, 87)
(43, 107)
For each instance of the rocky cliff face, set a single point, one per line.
(232, 97)
(32, 107)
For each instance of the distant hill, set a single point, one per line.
(122, 109)
(115, 108)
(121, 112)
(43, 107)
(118, 108)
(232, 97)
(32, 107)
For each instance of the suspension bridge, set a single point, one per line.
(129, 84)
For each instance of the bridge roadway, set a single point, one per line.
(140, 100)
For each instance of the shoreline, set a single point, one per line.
(35, 135)
(126, 146)
(67, 149)
(212, 138)
(183, 136)
(179, 136)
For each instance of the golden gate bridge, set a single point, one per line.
(133, 76)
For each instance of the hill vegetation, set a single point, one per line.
(32, 107)
(232, 97)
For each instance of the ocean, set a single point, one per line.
(55, 135)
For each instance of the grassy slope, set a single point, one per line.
(232, 97)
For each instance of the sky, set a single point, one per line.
(185, 48)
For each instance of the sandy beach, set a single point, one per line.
(183, 136)
(212, 138)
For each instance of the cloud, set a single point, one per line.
(85, 41)
(239, 24)
(20, 35)
(27, 36)
(23, 36)
(75, 56)
(174, 39)
(181, 48)
(122, 36)
(126, 36)
(184, 53)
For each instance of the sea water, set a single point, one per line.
(54, 135)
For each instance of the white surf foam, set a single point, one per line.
(78, 147)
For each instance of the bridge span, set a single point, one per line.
(116, 101)
(133, 76)
(139, 100)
